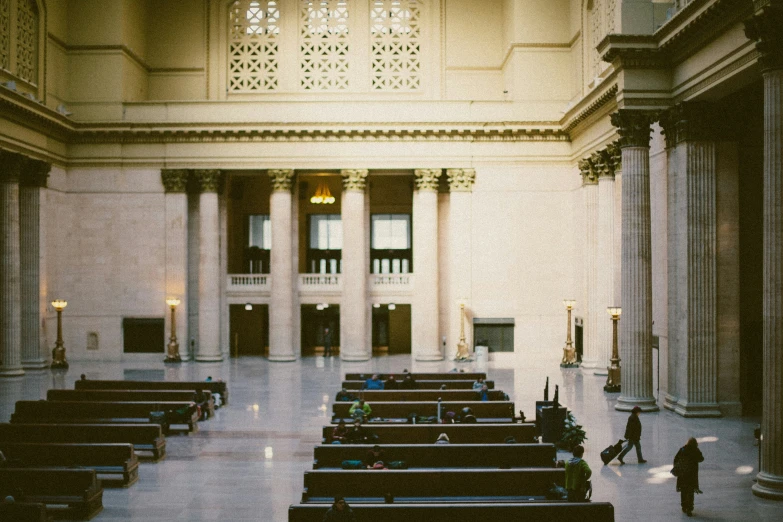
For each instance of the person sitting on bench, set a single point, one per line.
(344, 396)
(408, 383)
(375, 455)
(373, 383)
(339, 432)
(391, 384)
(339, 512)
(360, 410)
(359, 435)
(478, 384)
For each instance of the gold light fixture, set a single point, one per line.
(172, 356)
(613, 377)
(58, 354)
(322, 195)
(569, 354)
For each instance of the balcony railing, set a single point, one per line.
(320, 283)
(378, 284)
(391, 284)
(248, 283)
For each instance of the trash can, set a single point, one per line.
(482, 354)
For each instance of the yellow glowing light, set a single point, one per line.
(569, 303)
(706, 439)
(255, 407)
(268, 452)
(322, 195)
(172, 301)
(614, 311)
(59, 304)
(744, 470)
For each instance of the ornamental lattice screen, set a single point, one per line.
(27, 41)
(323, 45)
(5, 34)
(253, 48)
(395, 33)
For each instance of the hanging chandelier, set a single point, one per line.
(322, 195)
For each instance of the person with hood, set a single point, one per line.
(577, 473)
(408, 383)
(376, 454)
(360, 410)
(443, 439)
(686, 468)
(633, 432)
(340, 511)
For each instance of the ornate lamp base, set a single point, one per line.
(59, 365)
(175, 359)
(569, 365)
(613, 380)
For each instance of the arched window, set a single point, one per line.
(5, 34)
(323, 44)
(395, 33)
(27, 40)
(253, 48)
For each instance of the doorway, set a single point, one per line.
(249, 329)
(315, 320)
(391, 329)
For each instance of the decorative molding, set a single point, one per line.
(208, 180)
(615, 156)
(608, 96)
(34, 173)
(632, 51)
(461, 180)
(690, 121)
(427, 179)
(174, 180)
(354, 179)
(766, 29)
(282, 179)
(633, 126)
(718, 75)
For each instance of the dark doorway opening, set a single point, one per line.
(249, 329)
(315, 320)
(391, 329)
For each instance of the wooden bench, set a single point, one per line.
(23, 512)
(494, 411)
(457, 433)
(106, 459)
(62, 412)
(467, 512)
(207, 403)
(213, 386)
(411, 485)
(436, 376)
(143, 437)
(427, 385)
(443, 455)
(77, 488)
(427, 395)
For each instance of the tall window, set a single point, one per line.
(396, 51)
(390, 252)
(5, 34)
(259, 235)
(326, 243)
(27, 40)
(323, 45)
(253, 50)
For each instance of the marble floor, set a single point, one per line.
(247, 462)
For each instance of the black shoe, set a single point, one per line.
(621, 461)
(642, 462)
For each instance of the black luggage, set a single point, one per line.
(611, 452)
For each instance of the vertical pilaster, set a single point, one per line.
(176, 210)
(424, 334)
(460, 266)
(766, 27)
(209, 267)
(605, 265)
(636, 324)
(33, 177)
(10, 318)
(353, 310)
(281, 307)
(589, 171)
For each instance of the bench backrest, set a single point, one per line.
(48, 481)
(457, 433)
(59, 454)
(125, 395)
(25, 512)
(433, 376)
(27, 411)
(213, 386)
(426, 395)
(427, 385)
(401, 410)
(420, 483)
(136, 434)
(443, 455)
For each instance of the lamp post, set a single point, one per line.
(172, 356)
(613, 377)
(462, 346)
(58, 354)
(569, 354)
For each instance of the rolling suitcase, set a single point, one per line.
(611, 452)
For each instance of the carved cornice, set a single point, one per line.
(587, 171)
(282, 179)
(632, 51)
(633, 126)
(461, 180)
(668, 122)
(208, 180)
(354, 179)
(34, 173)
(427, 179)
(608, 96)
(174, 180)
(10, 166)
(766, 29)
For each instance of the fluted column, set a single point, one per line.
(209, 268)
(424, 333)
(589, 173)
(460, 250)
(605, 265)
(176, 212)
(636, 324)
(10, 318)
(354, 307)
(281, 307)
(33, 177)
(766, 27)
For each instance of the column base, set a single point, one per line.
(355, 357)
(15, 372)
(601, 372)
(693, 409)
(209, 358)
(282, 358)
(35, 365)
(768, 486)
(670, 402)
(647, 404)
(589, 365)
(424, 357)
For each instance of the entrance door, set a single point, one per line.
(249, 329)
(315, 320)
(391, 329)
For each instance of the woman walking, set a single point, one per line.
(686, 469)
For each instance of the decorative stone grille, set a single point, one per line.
(323, 45)
(253, 49)
(27, 41)
(395, 33)
(596, 31)
(611, 9)
(5, 31)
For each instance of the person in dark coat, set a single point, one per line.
(391, 383)
(327, 342)
(687, 463)
(633, 432)
(408, 383)
(340, 511)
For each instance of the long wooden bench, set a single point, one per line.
(143, 437)
(60, 412)
(78, 489)
(106, 459)
(457, 433)
(427, 395)
(485, 412)
(413, 485)
(443, 455)
(427, 385)
(213, 386)
(467, 512)
(436, 376)
(206, 402)
(24, 512)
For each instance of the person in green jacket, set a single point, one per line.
(360, 409)
(577, 473)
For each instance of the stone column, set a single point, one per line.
(176, 211)
(636, 323)
(460, 265)
(353, 309)
(281, 306)
(605, 265)
(10, 317)
(424, 320)
(766, 27)
(33, 178)
(209, 275)
(590, 190)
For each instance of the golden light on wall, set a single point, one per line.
(322, 195)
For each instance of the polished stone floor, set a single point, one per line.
(247, 462)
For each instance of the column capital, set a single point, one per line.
(633, 126)
(427, 179)
(34, 173)
(615, 156)
(10, 166)
(461, 180)
(208, 180)
(766, 29)
(282, 179)
(588, 172)
(603, 164)
(174, 180)
(354, 179)
(689, 121)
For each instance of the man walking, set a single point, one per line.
(633, 432)
(327, 342)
